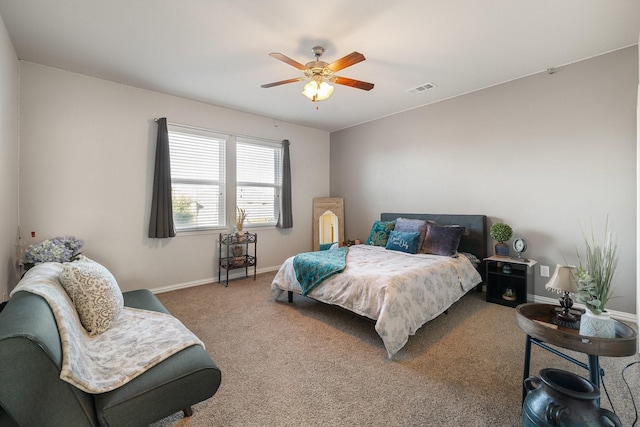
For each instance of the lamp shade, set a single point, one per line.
(563, 280)
(317, 90)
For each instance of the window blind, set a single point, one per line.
(258, 180)
(197, 179)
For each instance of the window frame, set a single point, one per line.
(276, 149)
(221, 144)
(229, 192)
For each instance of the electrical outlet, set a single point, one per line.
(544, 271)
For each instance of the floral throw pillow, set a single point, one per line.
(380, 233)
(94, 292)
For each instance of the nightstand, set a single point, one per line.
(508, 280)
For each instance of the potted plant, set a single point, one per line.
(594, 279)
(501, 233)
(241, 215)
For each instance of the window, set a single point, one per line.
(197, 179)
(258, 180)
(201, 184)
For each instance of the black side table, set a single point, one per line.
(535, 320)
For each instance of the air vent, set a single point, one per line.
(422, 88)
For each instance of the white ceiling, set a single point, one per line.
(216, 51)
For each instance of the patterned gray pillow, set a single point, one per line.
(94, 292)
(413, 226)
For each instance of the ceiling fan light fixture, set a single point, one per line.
(317, 90)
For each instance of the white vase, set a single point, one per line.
(597, 325)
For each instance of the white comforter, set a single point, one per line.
(400, 291)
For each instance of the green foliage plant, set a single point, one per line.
(596, 274)
(182, 208)
(500, 232)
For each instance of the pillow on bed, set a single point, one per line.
(413, 226)
(442, 239)
(404, 241)
(380, 233)
(472, 258)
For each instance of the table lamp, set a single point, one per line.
(564, 281)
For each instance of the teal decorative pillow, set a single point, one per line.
(405, 241)
(94, 292)
(380, 233)
(442, 239)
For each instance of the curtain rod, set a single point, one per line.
(273, 141)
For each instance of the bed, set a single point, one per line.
(398, 289)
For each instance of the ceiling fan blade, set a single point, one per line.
(282, 82)
(353, 83)
(288, 60)
(347, 61)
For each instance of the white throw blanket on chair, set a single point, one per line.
(137, 340)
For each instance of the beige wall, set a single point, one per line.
(86, 169)
(9, 146)
(543, 153)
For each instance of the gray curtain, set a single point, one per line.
(161, 221)
(285, 219)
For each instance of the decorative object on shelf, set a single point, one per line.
(237, 253)
(597, 325)
(58, 249)
(594, 283)
(561, 398)
(509, 294)
(241, 215)
(506, 268)
(564, 282)
(501, 233)
(520, 246)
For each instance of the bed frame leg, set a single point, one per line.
(290, 296)
(187, 411)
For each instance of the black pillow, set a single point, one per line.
(442, 239)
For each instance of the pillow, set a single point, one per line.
(413, 226)
(380, 233)
(442, 239)
(94, 292)
(472, 258)
(326, 246)
(404, 241)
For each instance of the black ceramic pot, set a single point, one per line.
(562, 399)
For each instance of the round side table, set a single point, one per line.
(536, 321)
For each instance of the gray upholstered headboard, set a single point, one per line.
(474, 242)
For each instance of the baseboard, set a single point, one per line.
(232, 275)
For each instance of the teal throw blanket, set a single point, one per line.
(313, 267)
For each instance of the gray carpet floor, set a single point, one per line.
(310, 364)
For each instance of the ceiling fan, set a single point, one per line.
(319, 72)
